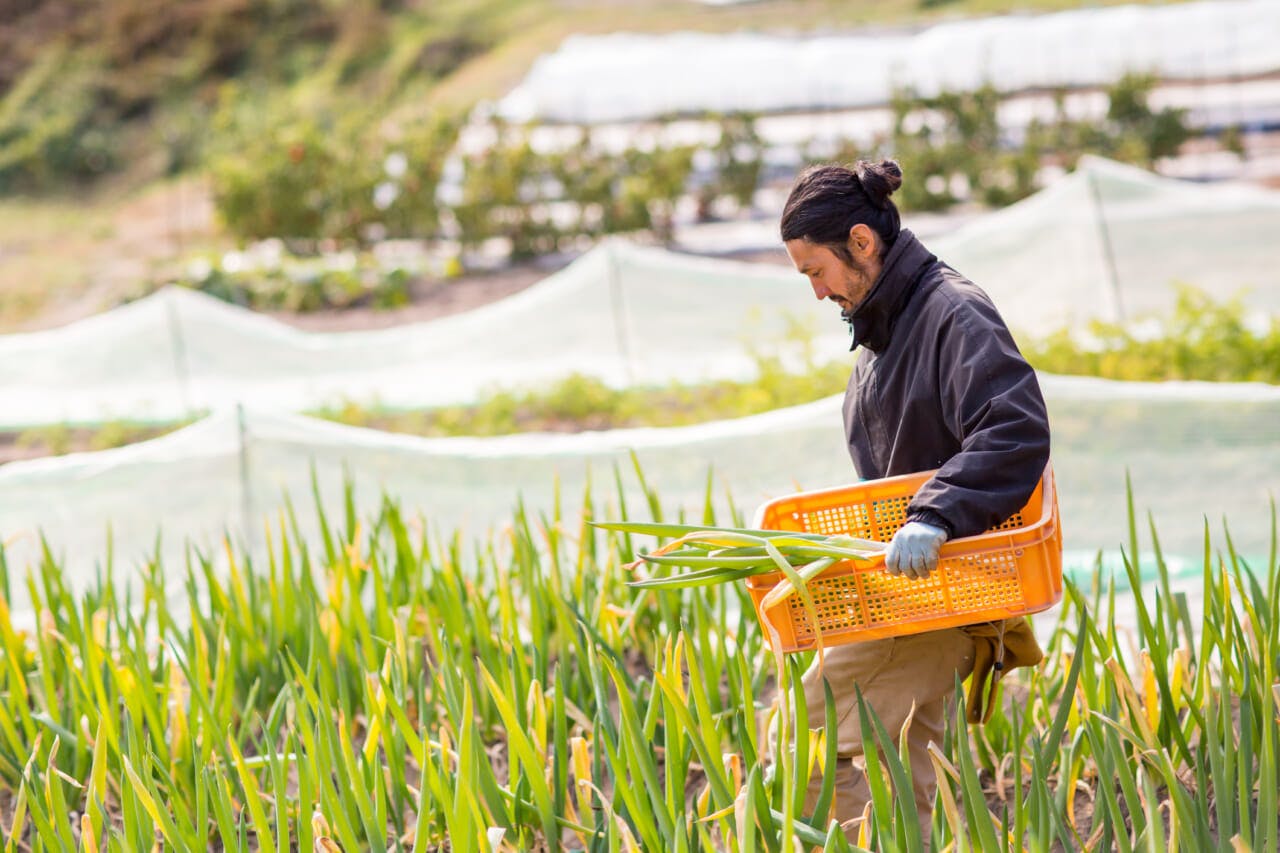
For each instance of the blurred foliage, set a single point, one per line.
(738, 160)
(1232, 139)
(271, 279)
(340, 176)
(1136, 132)
(289, 180)
(51, 440)
(1132, 130)
(81, 80)
(1203, 339)
(309, 118)
(504, 194)
(78, 72)
(326, 174)
(951, 147)
(538, 202)
(955, 135)
(334, 288)
(60, 439)
(52, 124)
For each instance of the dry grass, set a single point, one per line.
(68, 257)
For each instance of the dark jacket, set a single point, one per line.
(940, 384)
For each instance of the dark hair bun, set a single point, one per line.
(879, 180)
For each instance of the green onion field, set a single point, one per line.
(387, 688)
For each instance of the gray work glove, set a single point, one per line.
(914, 550)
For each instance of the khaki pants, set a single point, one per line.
(892, 674)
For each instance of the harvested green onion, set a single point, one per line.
(726, 554)
(738, 553)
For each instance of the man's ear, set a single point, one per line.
(863, 242)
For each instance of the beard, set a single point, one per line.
(858, 285)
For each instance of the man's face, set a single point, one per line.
(832, 278)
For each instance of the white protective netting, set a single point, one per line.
(632, 315)
(1195, 451)
(624, 313)
(1111, 242)
(625, 76)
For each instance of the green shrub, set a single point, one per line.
(955, 138)
(327, 175)
(739, 161)
(512, 192)
(412, 160)
(1140, 134)
(952, 149)
(654, 181)
(504, 196)
(1203, 339)
(281, 183)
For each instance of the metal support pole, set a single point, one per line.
(246, 499)
(179, 350)
(1108, 254)
(617, 299)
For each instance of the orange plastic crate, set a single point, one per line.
(1010, 570)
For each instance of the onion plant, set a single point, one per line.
(382, 686)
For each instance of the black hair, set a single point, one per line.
(828, 200)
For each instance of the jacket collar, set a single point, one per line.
(872, 321)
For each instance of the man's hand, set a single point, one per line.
(914, 550)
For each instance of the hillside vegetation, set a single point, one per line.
(134, 86)
(136, 136)
(96, 87)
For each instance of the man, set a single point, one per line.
(939, 383)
